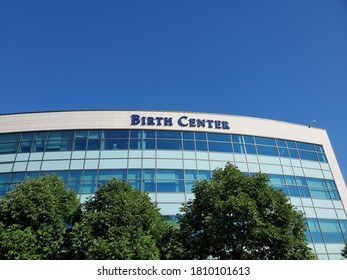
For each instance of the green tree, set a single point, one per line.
(344, 251)
(36, 219)
(234, 216)
(121, 222)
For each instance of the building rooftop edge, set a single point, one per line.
(142, 110)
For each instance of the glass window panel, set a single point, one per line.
(188, 135)
(38, 146)
(136, 184)
(239, 148)
(80, 145)
(116, 133)
(88, 187)
(283, 152)
(308, 236)
(293, 191)
(168, 134)
(24, 147)
(149, 186)
(304, 192)
(6, 148)
(290, 180)
(322, 158)
(28, 136)
(236, 138)
(316, 182)
(200, 135)
(55, 135)
(135, 144)
(189, 186)
(293, 153)
(220, 147)
(265, 141)
(218, 137)
(94, 144)
(81, 134)
(134, 174)
(75, 185)
(107, 174)
(201, 146)
(291, 144)
(313, 224)
(3, 190)
(116, 144)
(148, 173)
(331, 184)
(149, 144)
(90, 175)
(9, 137)
(149, 134)
(66, 145)
(75, 175)
(5, 177)
(169, 174)
(248, 139)
(266, 150)
(68, 134)
(316, 236)
(307, 155)
(188, 145)
(204, 175)
(53, 145)
(281, 143)
(136, 134)
(95, 134)
(250, 149)
(301, 181)
(33, 174)
(277, 179)
(334, 194)
(334, 237)
(169, 144)
(305, 146)
(329, 225)
(191, 174)
(170, 186)
(319, 193)
(281, 188)
(17, 177)
(63, 174)
(319, 148)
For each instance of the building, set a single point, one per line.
(164, 153)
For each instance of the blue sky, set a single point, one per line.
(283, 60)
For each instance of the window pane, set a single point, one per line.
(277, 179)
(305, 146)
(251, 149)
(322, 158)
(135, 144)
(81, 134)
(201, 146)
(290, 180)
(200, 135)
(281, 143)
(116, 144)
(28, 136)
(169, 174)
(220, 147)
(170, 186)
(304, 192)
(95, 134)
(218, 137)
(188, 135)
(169, 134)
(7, 148)
(149, 144)
(315, 182)
(301, 181)
(248, 139)
(169, 144)
(204, 174)
(293, 191)
(239, 148)
(136, 134)
(53, 145)
(293, 153)
(80, 145)
(237, 138)
(266, 150)
(149, 134)
(307, 155)
(319, 193)
(9, 137)
(283, 152)
(94, 144)
(265, 141)
(120, 133)
(291, 144)
(188, 145)
(191, 175)
(134, 174)
(149, 185)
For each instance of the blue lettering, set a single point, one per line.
(168, 121)
(150, 121)
(218, 124)
(192, 122)
(143, 121)
(210, 123)
(180, 123)
(225, 125)
(159, 119)
(201, 123)
(135, 119)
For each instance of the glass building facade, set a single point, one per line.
(166, 160)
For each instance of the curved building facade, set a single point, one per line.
(164, 153)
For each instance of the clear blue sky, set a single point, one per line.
(277, 59)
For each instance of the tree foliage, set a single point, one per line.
(120, 222)
(241, 217)
(36, 220)
(344, 251)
